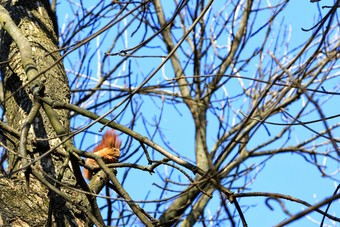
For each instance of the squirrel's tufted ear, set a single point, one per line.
(110, 139)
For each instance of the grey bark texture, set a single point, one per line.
(39, 206)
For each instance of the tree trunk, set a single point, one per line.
(39, 206)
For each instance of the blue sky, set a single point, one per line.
(287, 174)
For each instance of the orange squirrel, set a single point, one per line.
(108, 148)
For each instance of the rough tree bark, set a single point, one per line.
(34, 21)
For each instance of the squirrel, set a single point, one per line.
(108, 148)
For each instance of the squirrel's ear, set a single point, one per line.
(112, 139)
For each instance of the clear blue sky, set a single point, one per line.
(287, 174)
